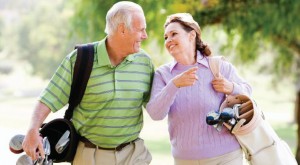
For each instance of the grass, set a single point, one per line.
(288, 132)
(159, 146)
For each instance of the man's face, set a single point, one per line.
(137, 33)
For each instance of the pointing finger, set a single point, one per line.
(191, 70)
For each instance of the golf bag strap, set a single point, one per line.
(82, 70)
(214, 64)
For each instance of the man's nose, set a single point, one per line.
(145, 36)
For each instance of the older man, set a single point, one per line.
(109, 117)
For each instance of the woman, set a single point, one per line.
(186, 91)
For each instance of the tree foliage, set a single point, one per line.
(258, 23)
(37, 34)
(41, 31)
(252, 25)
(89, 17)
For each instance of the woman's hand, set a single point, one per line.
(221, 84)
(186, 78)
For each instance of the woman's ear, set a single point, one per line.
(192, 35)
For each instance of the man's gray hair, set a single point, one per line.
(120, 12)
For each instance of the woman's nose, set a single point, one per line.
(168, 40)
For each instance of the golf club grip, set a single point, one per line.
(248, 115)
(245, 107)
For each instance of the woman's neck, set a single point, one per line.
(187, 58)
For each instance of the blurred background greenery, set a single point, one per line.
(261, 38)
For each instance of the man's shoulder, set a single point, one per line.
(142, 53)
(73, 54)
(142, 56)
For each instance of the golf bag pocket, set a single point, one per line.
(63, 139)
(259, 141)
(263, 146)
(277, 153)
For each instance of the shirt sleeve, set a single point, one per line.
(240, 86)
(56, 94)
(162, 97)
(147, 96)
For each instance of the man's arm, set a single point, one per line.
(32, 140)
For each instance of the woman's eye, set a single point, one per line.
(166, 38)
(173, 34)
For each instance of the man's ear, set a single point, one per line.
(121, 28)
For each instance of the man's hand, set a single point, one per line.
(222, 85)
(186, 78)
(33, 145)
(33, 142)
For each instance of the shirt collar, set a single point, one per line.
(200, 60)
(130, 57)
(103, 59)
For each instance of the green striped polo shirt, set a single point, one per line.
(110, 112)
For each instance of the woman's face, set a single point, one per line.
(177, 40)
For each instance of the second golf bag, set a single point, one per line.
(257, 138)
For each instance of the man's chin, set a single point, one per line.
(137, 49)
(134, 51)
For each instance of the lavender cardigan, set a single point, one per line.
(186, 107)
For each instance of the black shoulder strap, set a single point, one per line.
(82, 71)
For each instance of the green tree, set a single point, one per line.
(39, 34)
(89, 17)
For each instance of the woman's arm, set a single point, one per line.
(162, 97)
(164, 91)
